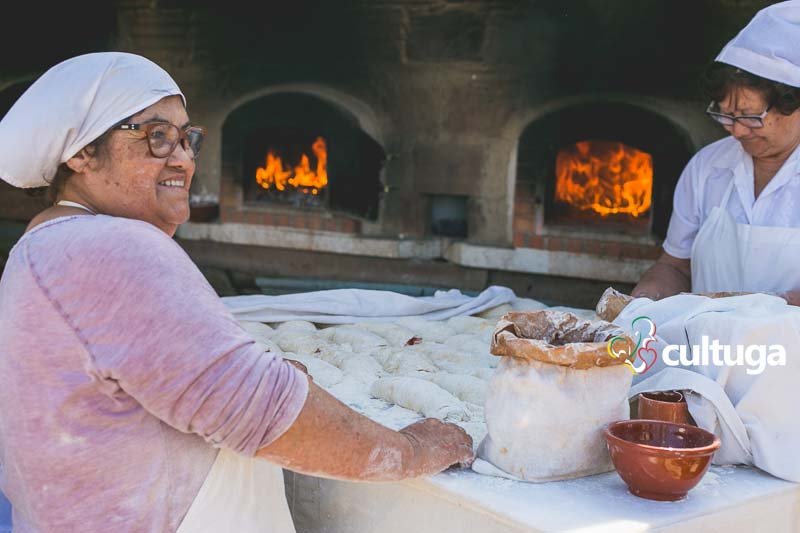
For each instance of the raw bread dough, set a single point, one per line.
(483, 373)
(301, 342)
(455, 360)
(429, 330)
(495, 313)
(421, 396)
(296, 325)
(527, 304)
(469, 324)
(393, 334)
(324, 374)
(360, 366)
(465, 388)
(257, 329)
(403, 361)
(359, 339)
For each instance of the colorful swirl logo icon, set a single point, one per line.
(641, 358)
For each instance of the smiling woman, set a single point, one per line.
(130, 398)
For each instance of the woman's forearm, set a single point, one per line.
(328, 439)
(668, 276)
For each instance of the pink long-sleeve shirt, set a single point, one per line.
(121, 373)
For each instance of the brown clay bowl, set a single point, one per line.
(660, 460)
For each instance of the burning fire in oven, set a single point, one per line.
(606, 177)
(301, 177)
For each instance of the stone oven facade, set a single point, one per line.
(433, 129)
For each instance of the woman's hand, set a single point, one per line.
(438, 445)
(668, 276)
(328, 439)
(791, 297)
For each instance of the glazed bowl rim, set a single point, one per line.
(698, 450)
(679, 393)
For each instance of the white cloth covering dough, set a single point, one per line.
(325, 374)
(421, 396)
(393, 334)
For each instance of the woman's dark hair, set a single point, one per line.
(720, 79)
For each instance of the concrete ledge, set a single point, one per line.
(549, 262)
(525, 260)
(311, 240)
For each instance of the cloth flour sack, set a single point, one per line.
(553, 393)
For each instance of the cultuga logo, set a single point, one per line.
(756, 357)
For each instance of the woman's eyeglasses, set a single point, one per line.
(163, 137)
(748, 121)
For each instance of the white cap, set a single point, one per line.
(71, 105)
(769, 46)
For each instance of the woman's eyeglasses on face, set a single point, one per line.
(748, 121)
(163, 137)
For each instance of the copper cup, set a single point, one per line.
(667, 406)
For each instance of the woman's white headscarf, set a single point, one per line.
(71, 105)
(769, 46)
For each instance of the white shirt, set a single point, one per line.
(704, 181)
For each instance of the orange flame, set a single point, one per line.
(301, 178)
(605, 176)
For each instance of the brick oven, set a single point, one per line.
(462, 143)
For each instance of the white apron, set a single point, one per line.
(240, 495)
(727, 256)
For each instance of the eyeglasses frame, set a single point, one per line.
(183, 137)
(738, 118)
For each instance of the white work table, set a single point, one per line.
(728, 499)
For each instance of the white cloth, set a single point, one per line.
(768, 45)
(754, 414)
(727, 256)
(705, 181)
(345, 306)
(72, 104)
(240, 495)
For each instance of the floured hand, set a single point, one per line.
(437, 446)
